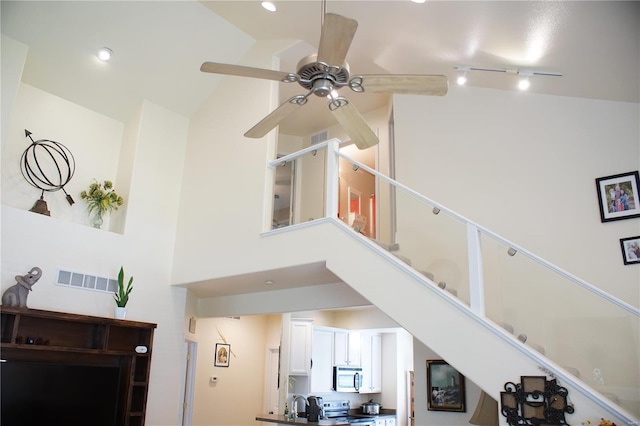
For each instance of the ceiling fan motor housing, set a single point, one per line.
(321, 78)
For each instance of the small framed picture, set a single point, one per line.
(618, 196)
(445, 386)
(630, 250)
(222, 355)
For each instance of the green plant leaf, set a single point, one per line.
(122, 295)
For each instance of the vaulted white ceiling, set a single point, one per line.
(160, 45)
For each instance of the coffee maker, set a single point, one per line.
(315, 408)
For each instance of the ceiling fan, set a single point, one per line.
(324, 73)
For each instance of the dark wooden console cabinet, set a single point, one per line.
(45, 336)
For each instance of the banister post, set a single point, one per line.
(476, 278)
(331, 191)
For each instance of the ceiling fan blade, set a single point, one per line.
(274, 118)
(436, 85)
(335, 40)
(241, 71)
(356, 127)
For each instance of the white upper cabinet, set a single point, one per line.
(354, 348)
(322, 360)
(341, 347)
(371, 362)
(300, 348)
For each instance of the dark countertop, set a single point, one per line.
(282, 420)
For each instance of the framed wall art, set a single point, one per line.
(445, 387)
(222, 355)
(619, 196)
(630, 250)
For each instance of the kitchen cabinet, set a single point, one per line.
(386, 421)
(371, 362)
(300, 347)
(353, 357)
(322, 350)
(331, 346)
(341, 347)
(346, 347)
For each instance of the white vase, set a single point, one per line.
(120, 313)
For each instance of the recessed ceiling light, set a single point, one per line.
(104, 54)
(269, 282)
(418, 1)
(269, 6)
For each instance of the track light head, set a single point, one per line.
(524, 82)
(462, 78)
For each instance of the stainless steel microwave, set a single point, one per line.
(347, 378)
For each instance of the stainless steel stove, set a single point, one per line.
(339, 410)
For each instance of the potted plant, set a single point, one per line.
(101, 198)
(122, 295)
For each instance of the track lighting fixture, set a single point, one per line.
(523, 84)
(462, 78)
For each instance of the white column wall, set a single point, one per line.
(223, 202)
(237, 395)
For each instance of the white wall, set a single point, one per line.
(237, 396)
(524, 166)
(65, 240)
(421, 354)
(93, 139)
(223, 205)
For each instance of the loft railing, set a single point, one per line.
(590, 334)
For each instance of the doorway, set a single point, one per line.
(190, 361)
(272, 388)
(357, 190)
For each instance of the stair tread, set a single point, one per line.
(387, 246)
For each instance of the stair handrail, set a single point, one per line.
(587, 286)
(332, 146)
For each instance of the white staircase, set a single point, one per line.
(485, 352)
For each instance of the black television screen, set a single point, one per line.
(39, 394)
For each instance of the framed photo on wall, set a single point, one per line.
(445, 387)
(630, 250)
(619, 196)
(222, 355)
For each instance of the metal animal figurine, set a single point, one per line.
(17, 294)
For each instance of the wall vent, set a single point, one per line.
(233, 318)
(86, 282)
(320, 137)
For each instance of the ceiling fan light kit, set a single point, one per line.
(324, 74)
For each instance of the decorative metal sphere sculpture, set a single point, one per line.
(48, 166)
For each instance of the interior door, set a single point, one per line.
(191, 349)
(357, 189)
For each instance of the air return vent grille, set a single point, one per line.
(320, 137)
(86, 282)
